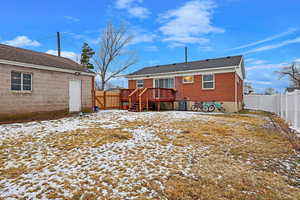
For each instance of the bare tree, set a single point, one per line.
(114, 57)
(293, 73)
(269, 91)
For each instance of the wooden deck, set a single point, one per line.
(139, 99)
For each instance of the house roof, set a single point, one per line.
(194, 65)
(11, 53)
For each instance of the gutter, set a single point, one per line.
(43, 67)
(179, 72)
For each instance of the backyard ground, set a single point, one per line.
(150, 155)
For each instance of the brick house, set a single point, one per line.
(219, 79)
(34, 82)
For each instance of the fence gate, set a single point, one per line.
(107, 99)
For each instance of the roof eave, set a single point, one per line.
(44, 67)
(178, 72)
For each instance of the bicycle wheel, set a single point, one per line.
(211, 108)
(205, 108)
(194, 108)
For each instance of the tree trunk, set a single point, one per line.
(102, 84)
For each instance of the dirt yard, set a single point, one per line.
(150, 155)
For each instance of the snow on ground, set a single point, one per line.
(137, 168)
(118, 169)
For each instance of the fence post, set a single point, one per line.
(296, 109)
(286, 108)
(281, 105)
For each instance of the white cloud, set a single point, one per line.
(259, 82)
(67, 54)
(121, 4)
(152, 48)
(133, 8)
(273, 37)
(257, 62)
(249, 59)
(142, 37)
(139, 12)
(22, 41)
(267, 66)
(274, 46)
(72, 19)
(189, 23)
(206, 48)
(297, 60)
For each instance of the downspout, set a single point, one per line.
(235, 90)
(93, 92)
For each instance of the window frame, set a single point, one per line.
(184, 82)
(137, 83)
(212, 81)
(157, 79)
(22, 81)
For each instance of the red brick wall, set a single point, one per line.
(224, 88)
(131, 84)
(148, 83)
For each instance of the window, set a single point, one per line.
(188, 79)
(208, 81)
(21, 81)
(140, 83)
(164, 83)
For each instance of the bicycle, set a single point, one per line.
(211, 106)
(198, 106)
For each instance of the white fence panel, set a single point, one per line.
(287, 106)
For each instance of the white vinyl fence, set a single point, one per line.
(287, 106)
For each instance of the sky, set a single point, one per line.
(266, 32)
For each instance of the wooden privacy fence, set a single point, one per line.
(107, 99)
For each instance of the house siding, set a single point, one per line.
(50, 91)
(224, 90)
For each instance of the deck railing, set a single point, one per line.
(152, 94)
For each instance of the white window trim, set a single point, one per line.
(139, 83)
(187, 82)
(208, 82)
(22, 89)
(174, 81)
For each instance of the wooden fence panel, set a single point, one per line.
(107, 100)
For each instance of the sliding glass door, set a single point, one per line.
(163, 83)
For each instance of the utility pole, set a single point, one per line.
(58, 43)
(186, 59)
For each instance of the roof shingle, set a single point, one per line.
(37, 58)
(194, 65)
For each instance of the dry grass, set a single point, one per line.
(81, 138)
(219, 157)
(240, 135)
(220, 177)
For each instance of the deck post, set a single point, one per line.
(147, 103)
(140, 104)
(158, 106)
(129, 102)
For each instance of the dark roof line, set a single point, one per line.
(193, 65)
